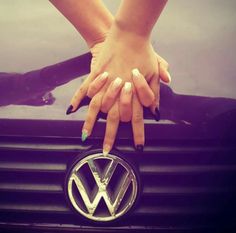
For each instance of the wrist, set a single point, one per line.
(101, 31)
(127, 28)
(99, 38)
(131, 38)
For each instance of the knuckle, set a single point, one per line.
(89, 121)
(108, 98)
(137, 117)
(148, 100)
(80, 92)
(164, 65)
(141, 88)
(104, 109)
(155, 76)
(94, 104)
(92, 89)
(96, 70)
(125, 118)
(106, 102)
(81, 89)
(152, 99)
(147, 103)
(113, 116)
(125, 103)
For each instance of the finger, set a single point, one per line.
(163, 68)
(164, 73)
(111, 128)
(97, 84)
(145, 94)
(138, 123)
(155, 87)
(111, 94)
(80, 93)
(163, 61)
(93, 110)
(125, 102)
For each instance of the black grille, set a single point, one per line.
(185, 184)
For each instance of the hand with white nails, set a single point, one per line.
(125, 70)
(125, 76)
(121, 93)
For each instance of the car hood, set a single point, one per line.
(44, 95)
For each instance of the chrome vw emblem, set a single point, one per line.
(102, 188)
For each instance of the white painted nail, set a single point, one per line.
(106, 150)
(169, 77)
(127, 87)
(117, 82)
(135, 72)
(104, 75)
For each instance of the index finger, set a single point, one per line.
(80, 94)
(144, 92)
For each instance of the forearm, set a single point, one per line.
(90, 17)
(139, 16)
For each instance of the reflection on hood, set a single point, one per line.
(34, 88)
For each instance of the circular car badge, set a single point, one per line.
(102, 188)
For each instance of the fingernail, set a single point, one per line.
(135, 72)
(84, 135)
(69, 110)
(157, 114)
(104, 75)
(139, 148)
(117, 83)
(106, 150)
(169, 77)
(127, 87)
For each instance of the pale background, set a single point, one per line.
(196, 37)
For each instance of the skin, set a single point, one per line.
(128, 38)
(93, 33)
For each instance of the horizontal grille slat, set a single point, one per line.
(37, 227)
(43, 147)
(173, 150)
(150, 190)
(140, 211)
(23, 187)
(186, 169)
(173, 211)
(35, 208)
(26, 167)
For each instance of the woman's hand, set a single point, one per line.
(95, 71)
(127, 106)
(121, 53)
(128, 103)
(96, 86)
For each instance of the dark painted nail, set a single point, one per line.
(157, 114)
(139, 148)
(69, 110)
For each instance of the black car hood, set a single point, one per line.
(43, 96)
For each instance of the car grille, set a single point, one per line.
(186, 184)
